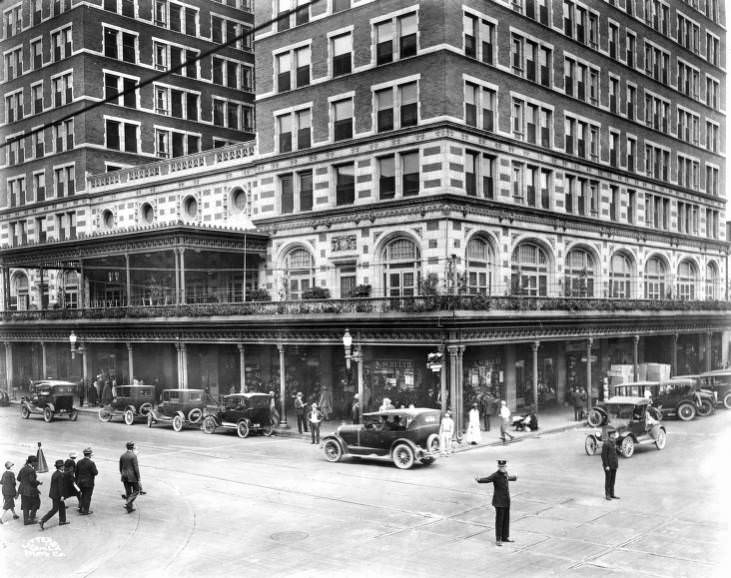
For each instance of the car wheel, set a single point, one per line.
(195, 415)
(432, 444)
(105, 415)
(333, 451)
(686, 411)
(590, 445)
(24, 412)
(177, 422)
(628, 447)
(597, 418)
(209, 424)
(727, 400)
(145, 408)
(242, 429)
(48, 415)
(661, 439)
(706, 408)
(129, 417)
(74, 415)
(267, 430)
(403, 456)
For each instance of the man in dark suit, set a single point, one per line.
(610, 463)
(30, 496)
(500, 500)
(85, 473)
(130, 471)
(56, 493)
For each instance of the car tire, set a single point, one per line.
(24, 412)
(48, 415)
(145, 408)
(195, 415)
(242, 429)
(333, 450)
(727, 400)
(150, 419)
(627, 447)
(432, 444)
(706, 408)
(597, 418)
(661, 439)
(74, 415)
(686, 411)
(129, 417)
(403, 456)
(177, 422)
(267, 430)
(209, 424)
(590, 445)
(105, 415)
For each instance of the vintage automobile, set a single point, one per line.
(50, 397)
(243, 412)
(680, 397)
(719, 382)
(179, 407)
(403, 435)
(132, 402)
(635, 420)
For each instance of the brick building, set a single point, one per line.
(531, 187)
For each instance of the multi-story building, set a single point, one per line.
(59, 57)
(532, 187)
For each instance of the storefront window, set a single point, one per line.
(579, 274)
(686, 280)
(299, 269)
(620, 275)
(402, 270)
(529, 271)
(655, 279)
(479, 267)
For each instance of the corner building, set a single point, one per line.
(533, 188)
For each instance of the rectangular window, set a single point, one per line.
(343, 119)
(305, 190)
(284, 129)
(286, 192)
(386, 177)
(110, 43)
(410, 174)
(304, 130)
(302, 59)
(341, 47)
(345, 184)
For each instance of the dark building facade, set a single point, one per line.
(533, 188)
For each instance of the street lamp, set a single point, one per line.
(72, 341)
(348, 345)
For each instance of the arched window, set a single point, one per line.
(401, 268)
(299, 268)
(712, 288)
(654, 279)
(529, 271)
(620, 277)
(579, 274)
(687, 278)
(479, 266)
(19, 299)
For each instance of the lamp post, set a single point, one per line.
(72, 341)
(348, 345)
(357, 357)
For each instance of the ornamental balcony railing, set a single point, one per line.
(359, 306)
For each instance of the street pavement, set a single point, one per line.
(220, 505)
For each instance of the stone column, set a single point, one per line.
(9, 365)
(725, 341)
(282, 389)
(636, 357)
(460, 391)
(182, 275)
(242, 368)
(452, 349)
(443, 379)
(44, 360)
(84, 363)
(534, 347)
(177, 276)
(128, 279)
(709, 351)
(82, 286)
(509, 369)
(130, 362)
(182, 362)
(589, 390)
(674, 358)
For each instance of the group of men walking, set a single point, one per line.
(70, 479)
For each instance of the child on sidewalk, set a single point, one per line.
(10, 491)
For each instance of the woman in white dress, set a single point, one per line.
(473, 435)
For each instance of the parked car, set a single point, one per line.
(50, 397)
(403, 435)
(243, 412)
(635, 420)
(719, 382)
(680, 397)
(179, 407)
(132, 402)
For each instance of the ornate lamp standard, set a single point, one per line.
(72, 342)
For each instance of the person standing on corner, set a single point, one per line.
(130, 471)
(85, 473)
(56, 493)
(500, 500)
(505, 421)
(355, 409)
(610, 463)
(315, 419)
(299, 408)
(30, 496)
(446, 433)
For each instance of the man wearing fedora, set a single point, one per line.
(56, 493)
(85, 473)
(130, 471)
(500, 500)
(30, 495)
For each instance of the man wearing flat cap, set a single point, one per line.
(500, 500)
(30, 495)
(130, 471)
(56, 493)
(85, 473)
